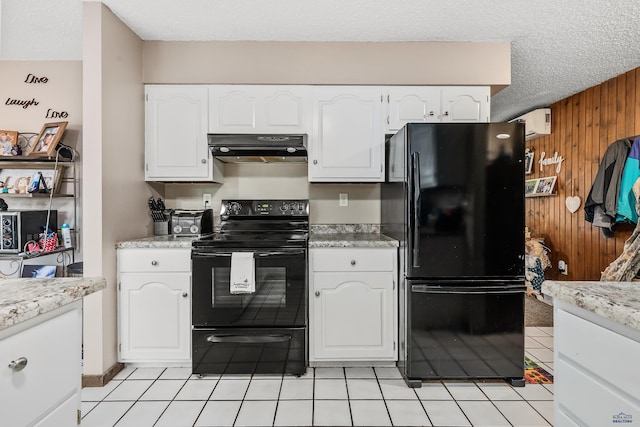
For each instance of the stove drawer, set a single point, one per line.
(249, 351)
(339, 259)
(143, 260)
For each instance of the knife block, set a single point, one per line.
(162, 228)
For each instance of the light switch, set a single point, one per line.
(344, 199)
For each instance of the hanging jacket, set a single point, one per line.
(626, 208)
(606, 185)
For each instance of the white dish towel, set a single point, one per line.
(243, 273)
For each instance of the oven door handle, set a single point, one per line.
(256, 254)
(248, 339)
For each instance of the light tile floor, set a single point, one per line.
(323, 397)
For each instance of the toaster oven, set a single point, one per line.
(19, 227)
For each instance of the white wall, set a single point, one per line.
(62, 92)
(115, 193)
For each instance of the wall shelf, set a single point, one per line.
(540, 195)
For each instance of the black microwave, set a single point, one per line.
(19, 227)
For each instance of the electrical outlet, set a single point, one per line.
(562, 267)
(344, 199)
(206, 200)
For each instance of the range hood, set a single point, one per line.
(272, 148)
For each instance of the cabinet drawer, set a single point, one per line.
(352, 259)
(592, 348)
(154, 260)
(52, 373)
(591, 398)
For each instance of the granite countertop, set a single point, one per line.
(23, 299)
(320, 236)
(617, 301)
(351, 240)
(168, 241)
(349, 236)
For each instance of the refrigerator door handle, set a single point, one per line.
(422, 289)
(415, 241)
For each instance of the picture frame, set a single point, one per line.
(39, 271)
(47, 139)
(528, 162)
(8, 142)
(546, 185)
(18, 180)
(530, 186)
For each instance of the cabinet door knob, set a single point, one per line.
(18, 364)
(154, 262)
(185, 294)
(431, 113)
(353, 262)
(317, 293)
(203, 161)
(315, 162)
(446, 113)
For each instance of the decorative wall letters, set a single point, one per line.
(555, 160)
(26, 103)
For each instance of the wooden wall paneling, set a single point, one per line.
(566, 171)
(571, 175)
(582, 182)
(610, 120)
(636, 106)
(630, 100)
(563, 244)
(594, 260)
(583, 127)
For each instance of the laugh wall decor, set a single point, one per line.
(25, 102)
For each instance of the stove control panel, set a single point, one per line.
(289, 207)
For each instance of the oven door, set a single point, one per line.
(280, 293)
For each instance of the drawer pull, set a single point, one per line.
(18, 364)
(184, 295)
(317, 293)
(353, 262)
(154, 262)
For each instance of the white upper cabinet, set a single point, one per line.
(413, 104)
(347, 142)
(465, 104)
(176, 148)
(435, 104)
(259, 109)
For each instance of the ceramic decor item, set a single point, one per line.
(572, 202)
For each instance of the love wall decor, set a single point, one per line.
(24, 103)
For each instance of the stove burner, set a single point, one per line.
(260, 224)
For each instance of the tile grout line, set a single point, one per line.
(275, 413)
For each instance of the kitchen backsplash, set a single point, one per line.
(274, 181)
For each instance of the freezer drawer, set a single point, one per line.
(464, 332)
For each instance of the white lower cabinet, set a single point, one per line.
(353, 300)
(595, 374)
(41, 375)
(154, 306)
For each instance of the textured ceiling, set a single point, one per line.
(558, 47)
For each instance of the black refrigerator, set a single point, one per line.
(454, 198)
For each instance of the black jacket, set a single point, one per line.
(606, 185)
